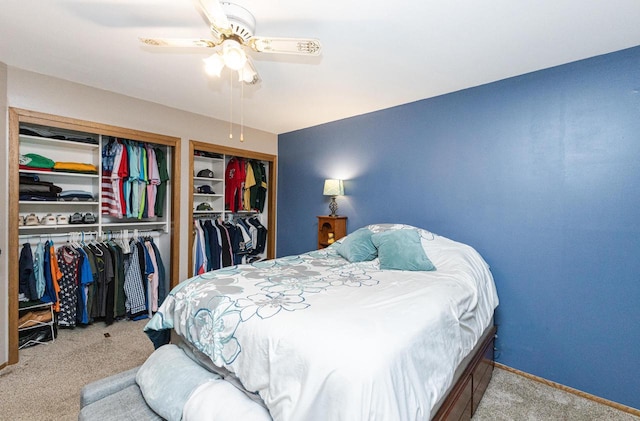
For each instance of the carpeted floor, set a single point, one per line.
(45, 384)
(513, 397)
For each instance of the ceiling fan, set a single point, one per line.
(232, 29)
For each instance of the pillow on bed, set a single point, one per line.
(401, 250)
(167, 378)
(357, 246)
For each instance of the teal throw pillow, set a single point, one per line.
(357, 246)
(401, 250)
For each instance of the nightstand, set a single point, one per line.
(331, 226)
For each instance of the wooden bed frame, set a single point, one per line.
(465, 395)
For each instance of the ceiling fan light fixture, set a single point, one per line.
(248, 74)
(213, 65)
(233, 54)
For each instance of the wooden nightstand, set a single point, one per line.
(336, 225)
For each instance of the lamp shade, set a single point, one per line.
(333, 188)
(233, 55)
(213, 65)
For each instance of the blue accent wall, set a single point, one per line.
(540, 173)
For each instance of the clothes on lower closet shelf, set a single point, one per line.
(219, 244)
(103, 280)
(32, 188)
(134, 179)
(245, 185)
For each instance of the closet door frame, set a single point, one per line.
(17, 116)
(195, 145)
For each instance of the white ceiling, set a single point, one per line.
(376, 54)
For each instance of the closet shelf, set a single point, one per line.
(59, 173)
(66, 142)
(207, 179)
(207, 195)
(57, 202)
(39, 305)
(68, 227)
(121, 225)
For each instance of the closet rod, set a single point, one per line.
(90, 233)
(62, 234)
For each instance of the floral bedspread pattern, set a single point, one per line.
(321, 338)
(214, 304)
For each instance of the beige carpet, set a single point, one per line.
(513, 397)
(46, 383)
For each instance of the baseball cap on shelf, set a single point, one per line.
(205, 173)
(206, 190)
(204, 207)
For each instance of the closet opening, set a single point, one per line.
(91, 207)
(232, 192)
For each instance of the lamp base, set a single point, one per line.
(333, 206)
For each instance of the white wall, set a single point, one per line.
(36, 92)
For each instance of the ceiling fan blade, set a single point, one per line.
(215, 15)
(301, 46)
(179, 42)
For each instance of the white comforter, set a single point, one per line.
(319, 338)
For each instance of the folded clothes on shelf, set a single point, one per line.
(76, 196)
(44, 132)
(75, 167)
(36, 161)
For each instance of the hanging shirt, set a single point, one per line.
(161, 196)
(142, 182)
(27, 280)
(68, 263)
(116, 185)
(199, 255)
(38, 269)
(108, 198)
(234, 179)
(133, 287)
(56, 275)
(50, 294)
(154, 181)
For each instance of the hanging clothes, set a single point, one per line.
(235, 174)
(161, 196)
(134, 179)
(98, 281)
(68, 263)
(109, 205)
(219, 244)
(27, 280)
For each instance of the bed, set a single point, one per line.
(392, 322)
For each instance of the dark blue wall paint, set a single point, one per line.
(540, 173)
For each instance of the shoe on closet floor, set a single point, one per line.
(89, 218)
(62, 220)
(49, 220)
(31, 220)
(20, 220)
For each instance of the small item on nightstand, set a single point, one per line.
(330, 238)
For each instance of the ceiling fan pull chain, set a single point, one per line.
(230, 106)
(242, 106)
